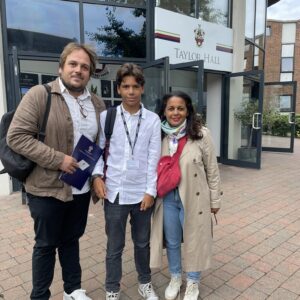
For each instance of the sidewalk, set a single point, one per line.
(256, 244)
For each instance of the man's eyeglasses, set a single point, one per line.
(83, 111)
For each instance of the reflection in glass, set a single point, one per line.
(135, 2)
(115, 31)
(249, 25)
(54, 29)
(215, 11)
(154, 88)
(258, 59)
(183, 7)
(248, 56)
(242, 139)
(260, 19)
(277, 106)
(186, 81)
(285, 103)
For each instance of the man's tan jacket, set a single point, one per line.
(48, 156)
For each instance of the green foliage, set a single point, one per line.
(246, 111)
(297, 126)
(277, 124)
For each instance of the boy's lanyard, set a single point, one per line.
(127, 131)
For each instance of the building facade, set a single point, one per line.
(211, 49)
(283, 56)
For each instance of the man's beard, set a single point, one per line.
(72, 88)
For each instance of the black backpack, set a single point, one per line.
(15, 164)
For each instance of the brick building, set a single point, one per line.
(282, 56)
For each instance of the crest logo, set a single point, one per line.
(91, 148)
(199, 35)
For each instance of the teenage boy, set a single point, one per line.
(130, 185)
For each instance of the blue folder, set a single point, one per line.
(87, 154)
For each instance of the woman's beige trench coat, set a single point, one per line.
(199, 190)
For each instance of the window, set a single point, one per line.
(183, 7)
(285, 103)
(43, 29)
(286, 76)
(287, 50)
(287, 64)
(214, 11)
(131, 2)
(258, 59)
(250, 14)
(115, 31)
(260, 18)
(248, 56)
(268, 31)
(288, 33)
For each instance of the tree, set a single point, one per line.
(118, 40)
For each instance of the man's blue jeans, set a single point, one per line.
(173, 228)
(116, 216)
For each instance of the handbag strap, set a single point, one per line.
(42, 131)
(181, 144)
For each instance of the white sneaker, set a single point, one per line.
(112, 295)
(147, 292)
(76, 295)
(192, 291)
(173, 288)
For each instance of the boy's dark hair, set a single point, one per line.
(130, 69)
(193, 122)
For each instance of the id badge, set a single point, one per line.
(132, 165)
(83, 165)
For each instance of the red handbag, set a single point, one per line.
(168, 170)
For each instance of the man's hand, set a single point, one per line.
(99, 188)
(69, 164)
(147, 202)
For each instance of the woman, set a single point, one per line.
(185, 212)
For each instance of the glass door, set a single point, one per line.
(188, 78)
(156, 83)
(243, 119)
(279, 116)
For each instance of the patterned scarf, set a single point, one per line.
(174, 134)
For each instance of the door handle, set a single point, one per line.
(255, 116)
(292, 117)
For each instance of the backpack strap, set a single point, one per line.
(108, 130)
(109, 122)
(42, 131)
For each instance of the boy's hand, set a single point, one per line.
(147, 202)
(99, 188)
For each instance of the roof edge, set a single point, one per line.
(271, 2)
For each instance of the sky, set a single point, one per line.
(285, 10)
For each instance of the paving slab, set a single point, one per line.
(256, 242)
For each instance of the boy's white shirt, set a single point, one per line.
(131, 178)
